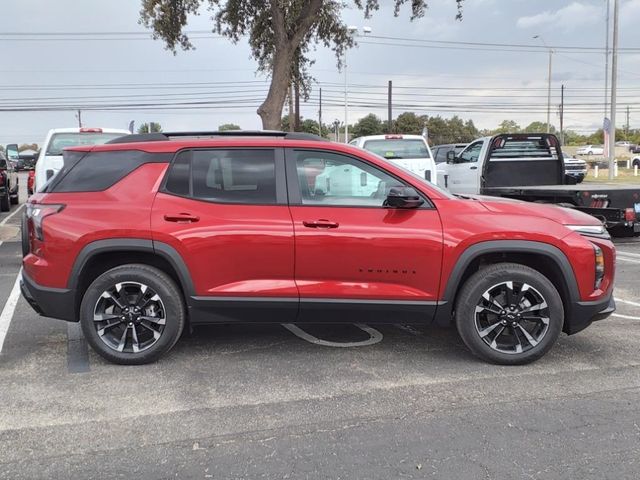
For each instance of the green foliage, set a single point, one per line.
(369, 125)
(508, 126)
(539, 127)
(28, 146)
(151, 127)
(409, 123)
(306, 125)
(280, 33)
(225, 127)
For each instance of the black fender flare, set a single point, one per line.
(161, 249)
(445, 306)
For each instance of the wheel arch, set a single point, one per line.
(102, 255)
(545, 258)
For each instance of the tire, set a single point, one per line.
(119, 325)
(492, 336)
(636, 163)
(5, 203)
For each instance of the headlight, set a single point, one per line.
(590, 230)
(599, 257)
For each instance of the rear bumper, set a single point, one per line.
(583, 314)
(49, 302)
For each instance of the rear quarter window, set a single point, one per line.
(98, 171)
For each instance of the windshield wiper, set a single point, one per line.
(392, 157)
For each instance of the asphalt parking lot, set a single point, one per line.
(324, 402)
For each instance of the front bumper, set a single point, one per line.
(49, 302)
(583, 314)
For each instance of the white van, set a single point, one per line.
(50, 159)
(410, 152)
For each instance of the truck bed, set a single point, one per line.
(581, 187)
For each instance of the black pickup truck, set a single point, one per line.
(530, 167)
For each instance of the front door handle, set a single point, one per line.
(181, 217)
(473, 168)
(322, 223)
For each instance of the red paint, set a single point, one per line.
(244, 250)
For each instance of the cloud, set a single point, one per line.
(573, 15)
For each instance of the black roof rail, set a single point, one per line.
(166, 136)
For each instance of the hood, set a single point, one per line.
(562, 215)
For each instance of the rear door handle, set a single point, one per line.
(181, 217)
(322, 223)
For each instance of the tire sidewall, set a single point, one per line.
(481, 282)
(166, 290)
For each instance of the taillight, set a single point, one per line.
(36, 213)
(1, 180)
(90, 130)
(629, 214)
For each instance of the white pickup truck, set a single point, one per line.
(530, 167)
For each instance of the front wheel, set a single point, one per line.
(132, 314)
(509, 314)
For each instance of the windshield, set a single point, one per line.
(60, 141)
(398, 148)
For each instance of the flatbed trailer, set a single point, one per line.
(506, 163)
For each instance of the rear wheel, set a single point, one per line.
(132, 314)
(509, 314)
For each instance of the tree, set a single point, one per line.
(539, 127)
(225, 127)
(306, 125)
(281, 34)
(369, 125)
(28, 146)
(151, 127)
(507, 126)
(409, 123)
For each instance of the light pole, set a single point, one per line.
(352, 31)
(548, 82)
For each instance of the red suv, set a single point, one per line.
(139, 237)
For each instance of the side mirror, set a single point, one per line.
(451, 156)
(12, 151)
(403, 197)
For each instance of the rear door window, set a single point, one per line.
(242, 176)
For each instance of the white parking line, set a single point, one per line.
(628, 302)
(622, 252)
(628, 260)
(374, 336)
(9, 308)
(8, 217)
(628, 317)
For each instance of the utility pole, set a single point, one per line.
(562, 115)
(296, 125)
(549, 94)
(606, 62)
(320, 115)
(627, 127)
(346, 104)
(79, 117)
(390, 108)
(614, 85)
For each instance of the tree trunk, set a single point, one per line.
(271, 109)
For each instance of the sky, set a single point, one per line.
(71, 52)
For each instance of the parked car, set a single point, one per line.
(574, 167)
(529, 166)
(591, 150)
(50, 158)
(9, 186)
(623, 143)
(145, 235)
(635, 149)
(440, 151)
(411, 152)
